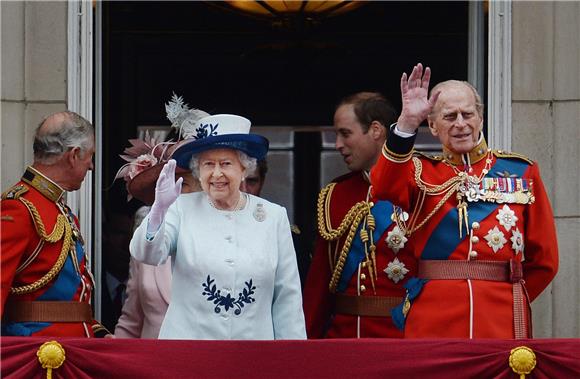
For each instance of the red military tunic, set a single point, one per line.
(323, 314)
(42, 260)
(506, 222)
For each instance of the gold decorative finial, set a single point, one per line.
(51, 356)
(522, 360)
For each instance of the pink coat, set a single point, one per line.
(148, 296)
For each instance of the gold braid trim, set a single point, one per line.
(345, 249)
(448, 188)
(323, 208)
(394, 157)
(433, 189)
(351, 221)
(61, 227)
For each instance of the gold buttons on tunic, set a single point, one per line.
(363, 276)
(473, 254)
(475, 225)
(363, 288)
(474, 239)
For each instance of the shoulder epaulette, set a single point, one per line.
(327, 187)
(345, 176)
(505, 154)
(432, 157)
(15, 192)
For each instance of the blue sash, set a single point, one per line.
(382, 211)
(445, 237)
(68, 280)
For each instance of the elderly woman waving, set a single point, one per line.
(235, 274)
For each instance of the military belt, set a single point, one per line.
(377, 306)
(47, 311)
(498, 271)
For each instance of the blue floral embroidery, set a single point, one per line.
(203, 132)
(213, 294)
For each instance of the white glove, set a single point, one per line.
(167, 190)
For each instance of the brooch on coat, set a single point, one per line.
(260, 212)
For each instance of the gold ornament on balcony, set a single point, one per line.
(522, 360)
(51, 356)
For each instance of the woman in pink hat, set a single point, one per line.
(148, 289)
(234, 266)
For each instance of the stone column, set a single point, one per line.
(34, 71)
(546, 127)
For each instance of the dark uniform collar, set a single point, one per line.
(44, 185)
(475, 155)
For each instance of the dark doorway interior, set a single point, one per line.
(226, 62)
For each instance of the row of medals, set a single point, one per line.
(474, 191)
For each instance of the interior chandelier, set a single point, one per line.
(284, 11)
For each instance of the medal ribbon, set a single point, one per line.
(444, 239)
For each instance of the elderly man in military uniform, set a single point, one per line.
(46, 284)
(481, 223)
(362, 259)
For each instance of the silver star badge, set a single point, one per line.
(495, 239)
(506, 217)
(396, 270)
(396, 239)
(517, 241)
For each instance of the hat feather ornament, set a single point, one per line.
(182, 117)
(146, 154)
(139, 157)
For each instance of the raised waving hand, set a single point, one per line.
(416, 104)
(167, 190)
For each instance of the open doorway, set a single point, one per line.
(286, 79)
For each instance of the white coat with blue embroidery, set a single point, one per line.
(235, 274)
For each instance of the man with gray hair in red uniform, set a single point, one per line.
(46, 282)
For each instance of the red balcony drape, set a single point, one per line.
(368, 358)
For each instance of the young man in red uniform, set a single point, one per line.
(46, 284)
(481, 223)
(361, 259)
